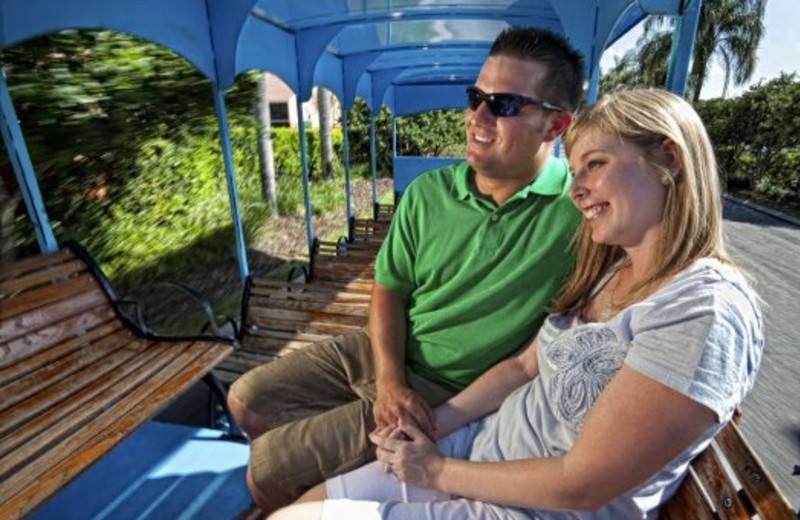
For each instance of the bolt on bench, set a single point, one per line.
(76, 374)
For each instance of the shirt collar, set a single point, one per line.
(550, 180)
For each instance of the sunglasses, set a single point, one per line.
(504, 105)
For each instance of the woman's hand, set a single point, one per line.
(409, 454)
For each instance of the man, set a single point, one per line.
(475, 254)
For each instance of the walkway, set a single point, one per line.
(769, 249)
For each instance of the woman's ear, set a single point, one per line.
(671, 157)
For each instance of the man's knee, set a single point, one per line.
(252, 423)
(267, 495)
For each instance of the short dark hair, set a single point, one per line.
(563, 84)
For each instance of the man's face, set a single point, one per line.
(505, 147)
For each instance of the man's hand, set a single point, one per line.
(396, 403)
(409, 454)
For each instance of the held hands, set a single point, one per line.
(408, 453)
(395, 403)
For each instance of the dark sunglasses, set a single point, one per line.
(504, 105)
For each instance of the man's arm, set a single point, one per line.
(387, 332)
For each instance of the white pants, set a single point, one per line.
(368, 493)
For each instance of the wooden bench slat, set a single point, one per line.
(262, 315)
(31, 344)
(58, 392)
(20, 267)
(41, 277)
(51, 426)
(20, 368)
(711, 474)
(45, 295)
(89, 443)
(48, 314)
(753, 476)
(687, 503)
(290, 303)
(61, 368)
(321, 328)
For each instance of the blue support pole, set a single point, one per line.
(682, 45)
(346, 146)
(373, 159)
(394, 139)
(23, 169)
(594, 85)
(301, 127)
(230, 177)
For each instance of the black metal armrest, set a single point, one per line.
(212, 324)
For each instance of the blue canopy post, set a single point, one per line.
(594, 85)
(230, 177)
(682, 46)
(372, 157)
(23, 169)
(346, 151)
(301, 129)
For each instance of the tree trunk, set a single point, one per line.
(265, 157)
(324, 107)
(8, 230)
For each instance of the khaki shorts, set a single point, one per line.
(320, 401)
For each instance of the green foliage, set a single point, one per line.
(728, 31)
(286, 146)
(757, 137)
(431, 134)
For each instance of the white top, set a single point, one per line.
(700, 334)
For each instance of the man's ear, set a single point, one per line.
(559, 122)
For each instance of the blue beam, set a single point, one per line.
(594, 85)
(372, 158)
(682, 46)
(230, 177)
(301, 128)
(346, 146)
(23, 169)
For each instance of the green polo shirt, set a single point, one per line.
(477, 277)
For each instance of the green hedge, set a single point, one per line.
(757, 138)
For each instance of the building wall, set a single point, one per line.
(283, 106)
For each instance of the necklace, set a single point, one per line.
(608, 309)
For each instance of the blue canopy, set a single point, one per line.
(412, 55)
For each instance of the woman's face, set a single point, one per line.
(621, 200)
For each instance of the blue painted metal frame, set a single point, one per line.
(682, 46)
(346, 153)
(230, 176)
(23, 169)
(301, 128)
(373, 160)
(336, 42)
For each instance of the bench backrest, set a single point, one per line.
(407, 168)
(727, 481)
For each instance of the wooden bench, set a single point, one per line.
(383, 211)
(727, 481)
(76, 374)
(368, 230)
(343, 262)
(280, 317)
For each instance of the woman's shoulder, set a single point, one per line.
(710, 279)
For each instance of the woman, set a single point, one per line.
(652, 344)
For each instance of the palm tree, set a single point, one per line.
(729, 30)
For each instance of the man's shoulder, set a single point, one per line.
(438, 182)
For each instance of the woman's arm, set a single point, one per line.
(486, 393)
(634, 429)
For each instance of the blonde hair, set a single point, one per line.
(692, 222)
